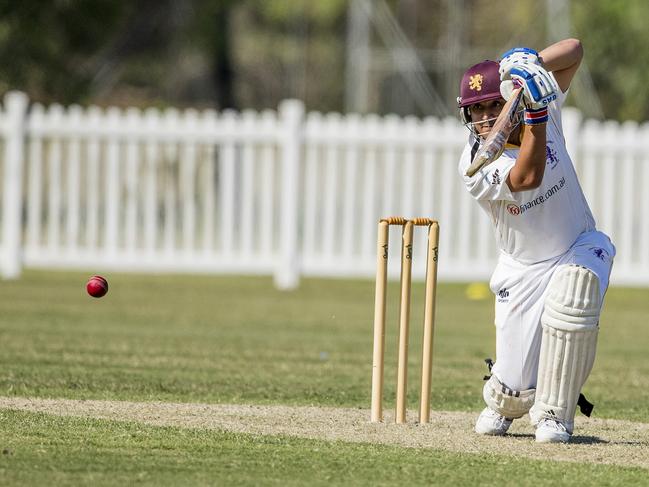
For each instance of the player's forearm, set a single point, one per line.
(528, 171)
(562, 55)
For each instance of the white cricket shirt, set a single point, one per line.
(539, 224)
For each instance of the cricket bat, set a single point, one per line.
(495, 143)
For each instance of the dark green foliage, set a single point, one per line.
(254, 53)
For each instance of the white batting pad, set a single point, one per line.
(570, 326)
(509, 403)
(573, 298)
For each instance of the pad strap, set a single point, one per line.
(585, 406)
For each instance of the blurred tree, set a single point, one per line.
(107, 51)
(138, 51)
(218, 53)
(615, 38)
(254, 53)
(289, 49)
(45, 47)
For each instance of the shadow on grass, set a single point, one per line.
(587, 440)
(579, 440)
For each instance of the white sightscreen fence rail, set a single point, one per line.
(159, 191)
(614, 170)
(357, 170)
(275, 193)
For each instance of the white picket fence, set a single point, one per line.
(277, 193)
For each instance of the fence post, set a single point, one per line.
(287, 272)
(16, 107)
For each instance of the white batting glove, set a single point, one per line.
(517, 56)
(538, 90)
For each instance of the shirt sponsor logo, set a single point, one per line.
(503, 295)
(551, 156)
(513, 209)
(600, 253)
(495, 177)
(539, 200)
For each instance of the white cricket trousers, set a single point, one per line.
(520, 291)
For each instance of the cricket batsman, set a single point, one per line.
(554, 265)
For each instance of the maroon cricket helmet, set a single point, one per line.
(481, 82)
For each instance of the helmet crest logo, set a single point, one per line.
(475, 82)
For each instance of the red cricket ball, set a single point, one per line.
(97, 286)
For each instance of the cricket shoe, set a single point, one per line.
(492, 423)
(551, 431)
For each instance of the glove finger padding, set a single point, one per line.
(539, 88)
(514, 57)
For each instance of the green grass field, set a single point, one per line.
(237, 340)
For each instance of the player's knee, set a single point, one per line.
(508, 402)
(573, 299)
